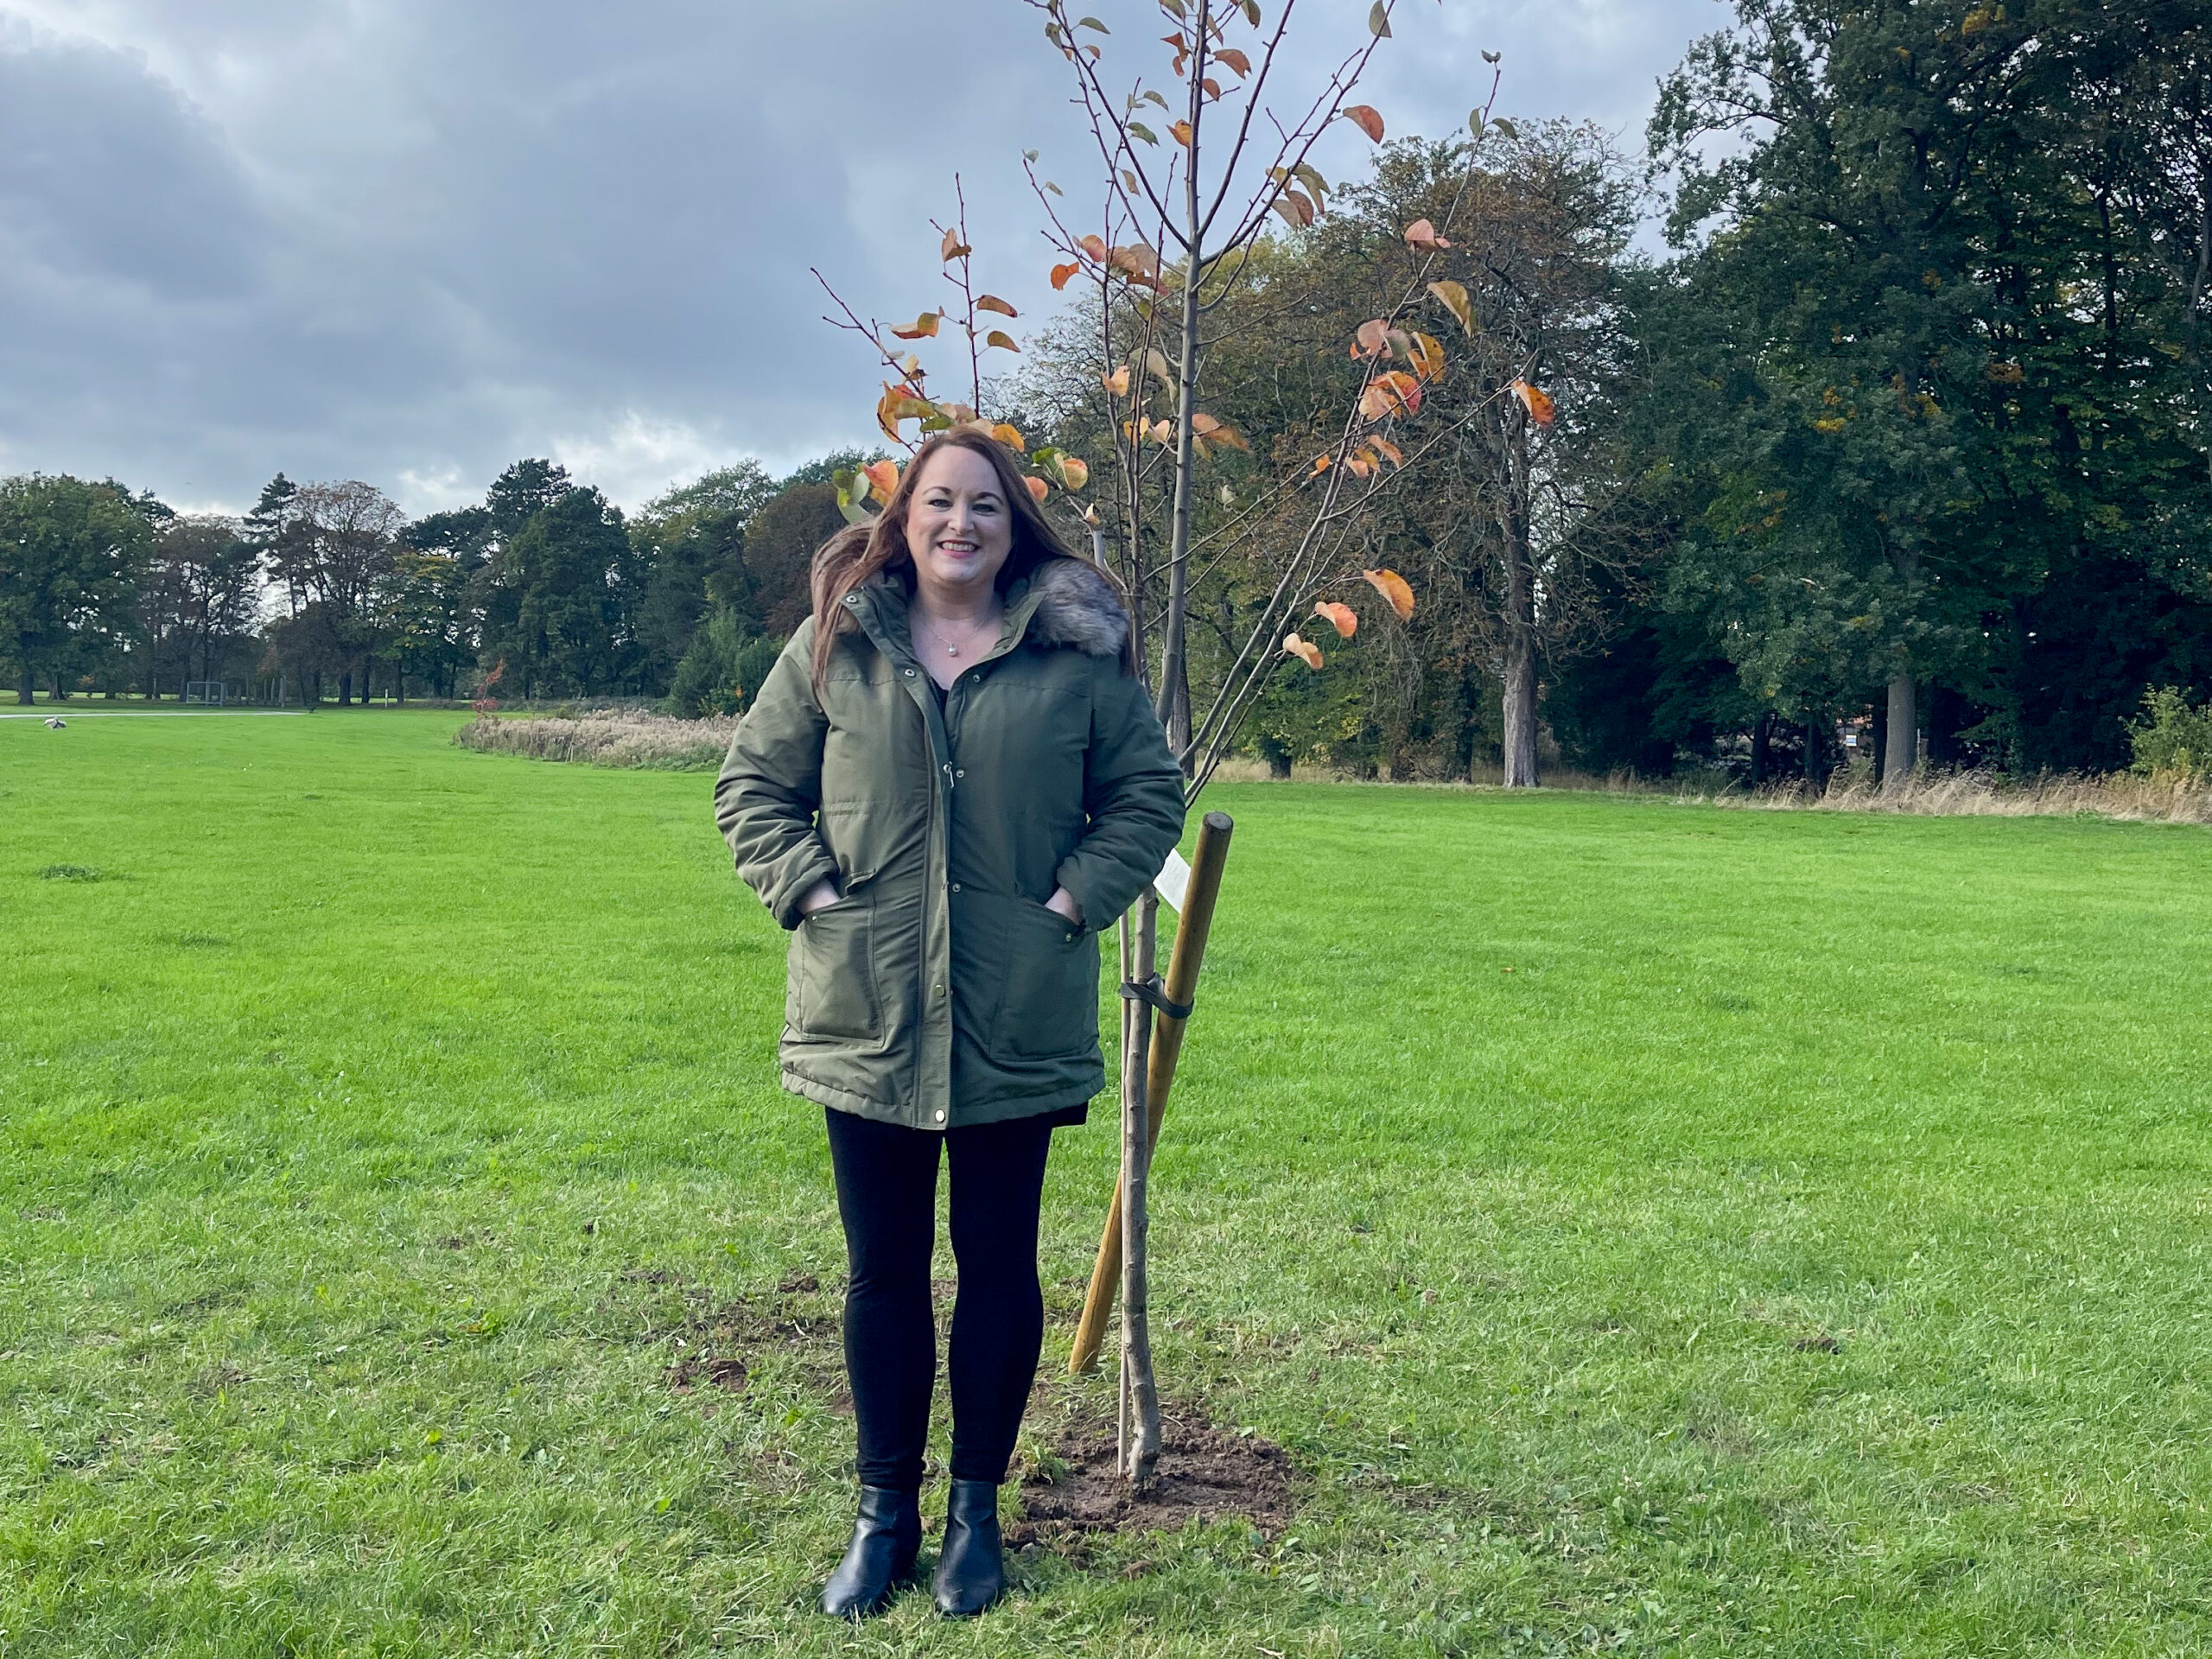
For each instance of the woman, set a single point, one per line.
(951, 780)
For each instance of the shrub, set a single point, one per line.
(2172, 740)
(722, 669)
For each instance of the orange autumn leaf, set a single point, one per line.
(1374, 338)
(1181, 132)
(992, 303)
(1422, 237)
(1322, 463)
(1395, 393)
(1367, 119)
(1305, 649)
(1038, 488)
(1094, 246)
(900, 404)
(1424, 355)
(1341, 618)
(882, 478)
(1003, 341)
(1011, 436)
(1061, 273)
(1393, 587)
(953, 248)
(1383, 448)
(1234, 58)
(1538, 405)
(1296, 208)
(924, 327)
(1075, 474)
(1215, 431)
(1118, 382)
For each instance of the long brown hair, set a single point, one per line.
(858, 551)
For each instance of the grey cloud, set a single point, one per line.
(410, 242)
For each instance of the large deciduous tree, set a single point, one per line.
(199, 600)
(1932, 355)
(71, 557)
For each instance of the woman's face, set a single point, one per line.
(959, 524)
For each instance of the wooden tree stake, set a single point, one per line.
(1193, 925)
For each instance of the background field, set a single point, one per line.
(1799, 1250)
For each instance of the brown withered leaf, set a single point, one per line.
(1393, 587)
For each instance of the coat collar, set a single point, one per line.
(1064, 604)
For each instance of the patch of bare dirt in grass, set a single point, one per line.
(720, 1342)
(1206, 1473)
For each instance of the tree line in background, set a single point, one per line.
(330, 592)
(1912, 429)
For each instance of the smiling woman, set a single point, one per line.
(951, 780)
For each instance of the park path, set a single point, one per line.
(66, 712)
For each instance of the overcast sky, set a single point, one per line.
(411, 240)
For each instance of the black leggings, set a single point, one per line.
(886, 1194)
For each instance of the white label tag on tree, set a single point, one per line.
(1173, 881)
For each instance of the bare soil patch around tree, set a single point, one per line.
(1206, 1473)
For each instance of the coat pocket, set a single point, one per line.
(832, 990)
(1051, 1006)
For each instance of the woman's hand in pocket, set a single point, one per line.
(823, 892)
(1062, 903)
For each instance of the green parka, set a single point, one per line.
(939, 990)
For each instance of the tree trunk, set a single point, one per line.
(1901, 750)
(25, 687)
(1762, 748)
(1520, 618)
(1139, 1409)
(346, 688)
(1520, 708)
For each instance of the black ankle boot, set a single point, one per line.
(885, 1538)
(970, 1571)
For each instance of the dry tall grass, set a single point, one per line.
(625, 737)
(607, 738)
(1928, 793)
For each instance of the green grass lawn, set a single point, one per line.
(1650, 1228)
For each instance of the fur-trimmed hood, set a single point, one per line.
(1076, 608)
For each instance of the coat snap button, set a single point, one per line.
(910, 673)
(940, 1117)
(852, 599)
(956, 886)
(962, 773)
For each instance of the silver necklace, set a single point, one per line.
(945, 639)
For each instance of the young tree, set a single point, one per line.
(1180, 224)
